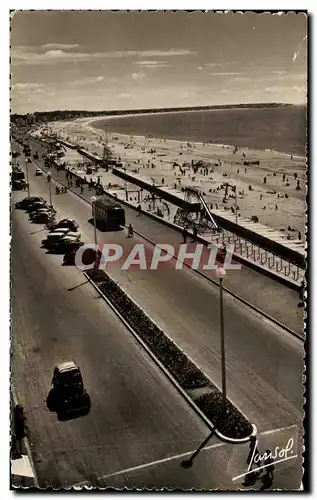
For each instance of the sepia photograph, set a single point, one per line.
(158, 179)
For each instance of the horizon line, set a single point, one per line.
(164, 109)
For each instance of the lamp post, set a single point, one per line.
(27, 175)
(49, 178)
(93, 200)
(221, 273)
(125, 184)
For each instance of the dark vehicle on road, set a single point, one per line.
(88, 257)
(26, 202)
(15, 154)
(109, 213)
(36, 156)
(52, 239)
(36, 205)
(67, 223)
(70, 395)
(66, 245)
(43, 218)
(18, 185)
(17, 175)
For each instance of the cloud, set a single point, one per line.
(27, 87)
(138, 76)
(228, 73)
(22, 54)
(301, 88)
(89, 80)
(62, 46)
(152, 64)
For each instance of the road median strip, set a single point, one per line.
(235, 427)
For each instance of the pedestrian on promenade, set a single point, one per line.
(268, 477)
(299, 235)
(195, 233)
(276, 208)
(184, 232)
(130, 231)
(81, 188)
(19, 429)
(139, 210)
(284, 177)
(301, 295)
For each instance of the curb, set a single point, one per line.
(229, 292)
(26, 440)
(209, 424)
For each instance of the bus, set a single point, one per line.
(109, 213)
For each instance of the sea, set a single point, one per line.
(281, 129)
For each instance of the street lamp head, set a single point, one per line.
(93, 199)
(220, 273)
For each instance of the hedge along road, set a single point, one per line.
(137, 417)
(264, 364)
(270, 296)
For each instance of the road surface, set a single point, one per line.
(264, 365)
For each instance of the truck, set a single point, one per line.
(108, 213)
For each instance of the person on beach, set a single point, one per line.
(264, 180)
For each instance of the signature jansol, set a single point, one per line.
(269, 458)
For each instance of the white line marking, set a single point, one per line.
(263, 467)
(157, 462)
(182, 455)
(281, 429)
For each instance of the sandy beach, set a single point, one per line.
(268, 189)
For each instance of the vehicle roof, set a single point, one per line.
(105, 202)
(73, 233)
(67, 366)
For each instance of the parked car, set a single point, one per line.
(40, 211)
(18, 185)
(26, 202)
(38, 172)
(43, 218)
(88, 258)
(65, 245)
(52, 239)
(36, 205)
(74, 234)
(64, 230)
(69, 223)
(69, 392)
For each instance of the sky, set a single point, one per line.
(99, 60)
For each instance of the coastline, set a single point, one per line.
(90, 122)
(93, 120)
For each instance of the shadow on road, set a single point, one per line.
(54, 406)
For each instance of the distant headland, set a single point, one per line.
(47, 116)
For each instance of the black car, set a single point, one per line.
(88, 258)
(43, 218)
(66, 246)
(64, 223)
(26, 202)
(36, 205)
(69, 393)
(18, 185)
